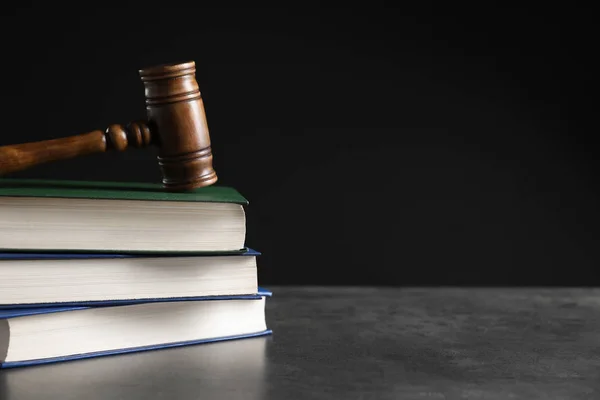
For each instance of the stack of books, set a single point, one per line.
(99, 268)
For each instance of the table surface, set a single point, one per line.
(363, 343)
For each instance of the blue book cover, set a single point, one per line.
(15, 255)
(6, 314)
(24, 310)
(18, 256)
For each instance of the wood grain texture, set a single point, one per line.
(18, 157)
(176, 115)
(176, 122)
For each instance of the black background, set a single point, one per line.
(376, 145)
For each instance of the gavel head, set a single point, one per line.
(177, 121)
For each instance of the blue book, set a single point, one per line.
(79, 279)
(42, 335)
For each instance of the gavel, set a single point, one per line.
(176, 124)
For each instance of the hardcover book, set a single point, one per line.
(31, 336)
(28, 279)
(79, 216)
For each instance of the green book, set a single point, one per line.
(117, 217)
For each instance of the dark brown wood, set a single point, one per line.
(116, 137)
(176, 123)
(176, 117)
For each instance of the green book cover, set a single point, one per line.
(46, 188)
(115, 191)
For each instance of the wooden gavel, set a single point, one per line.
(176, 124)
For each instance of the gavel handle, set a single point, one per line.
(18, 157)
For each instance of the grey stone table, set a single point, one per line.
(363, 343)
